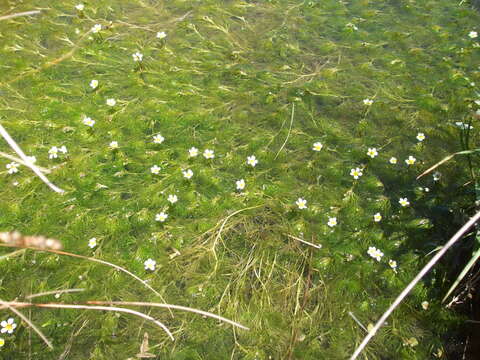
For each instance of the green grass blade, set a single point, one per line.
(464, 272)
(430, 169)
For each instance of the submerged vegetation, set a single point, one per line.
(254, 159)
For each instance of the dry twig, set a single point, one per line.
(28, 163)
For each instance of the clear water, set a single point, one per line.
(268, 79)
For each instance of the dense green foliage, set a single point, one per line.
(242, 78)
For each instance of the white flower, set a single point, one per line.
(332, 221)
(412, 342)
(301, 203)
(158, 139)
(137, 57)
(53, 152)
(411, 160)
(404, 202)
(477, 102)
(420, 136)
(375, 253)
(317, 146)
(12, 167)
(377, 217)
(208, 154)
(392, 264)
(2, 342)
(352, 26)
(111, 102)
(80, 7)
(367, 102)
(472, 34)
(172, 199)
(425, 305)
(356, 173)
(187, 174)
(94, 84)
(393, 160)
(372, 152)
(155, 170)
(240, 184)
(437, 175)
(96, 28)
(150, 264)
(192, 152)
(161, 217)
(161, 35)
(252, 160)
(113, 145)
(463, 126)
(92, 243)
(88, 121)
(8, 326)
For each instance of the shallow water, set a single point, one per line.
(319, 92)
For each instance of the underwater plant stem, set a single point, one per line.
(458, 235)
(306, 293)
(289, 131)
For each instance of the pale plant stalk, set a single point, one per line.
(26, 13)
(219, 234)
(94, 260)
(304, 241)
(7, 305)
(414, 282)
(289, 131)
(53, 292)
(28, 163)
(15, 304)
(20, 161)
(170, 306)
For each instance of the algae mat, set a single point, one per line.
(252, 159)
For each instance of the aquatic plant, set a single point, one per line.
(285, 137)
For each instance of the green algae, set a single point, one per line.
(226, 78)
